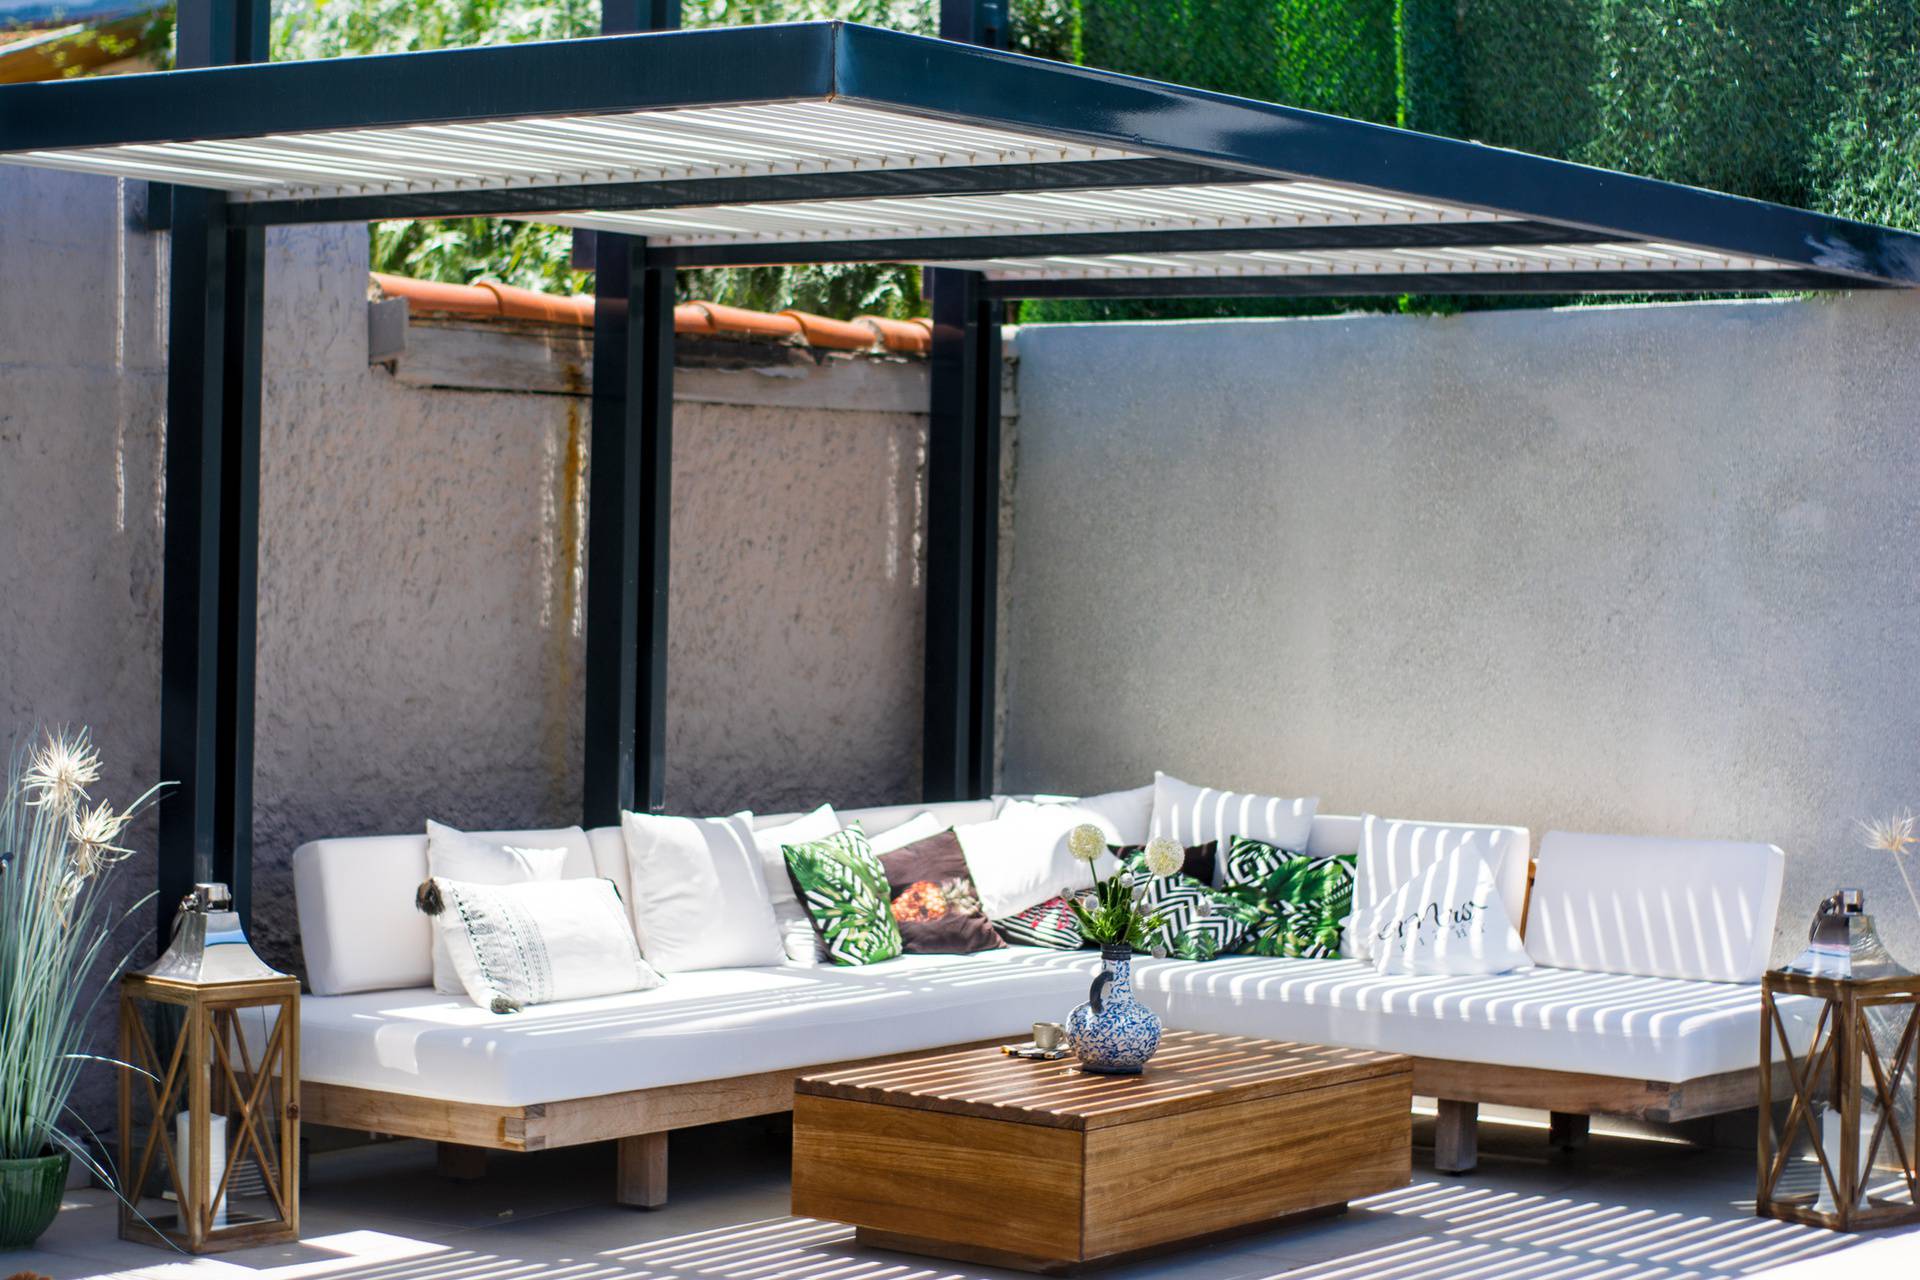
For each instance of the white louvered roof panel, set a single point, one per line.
(637, 146)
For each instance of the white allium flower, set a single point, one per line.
(1890, 835)
(60, 771)
(1164, 857)
(93, 832)
(1086, 842)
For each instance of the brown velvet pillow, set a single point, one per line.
(934, 901)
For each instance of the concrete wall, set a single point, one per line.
(1635, 569)
(421, 560)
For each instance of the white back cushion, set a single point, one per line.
(1334, 834)
(952, 813)
(1395, 850)
(359, 930)
(1701, 909)
(1194, 815)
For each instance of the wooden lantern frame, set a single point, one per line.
(213, 1069)
(1840, 1046)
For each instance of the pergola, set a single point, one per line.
(1009, 176)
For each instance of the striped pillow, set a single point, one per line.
(1050, 924)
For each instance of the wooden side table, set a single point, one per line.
(1842, 1073)
(971, 1155)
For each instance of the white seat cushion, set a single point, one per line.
(1700, 909)
(1556, 1019)
(704, 1025)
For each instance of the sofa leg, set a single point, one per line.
(460, 1163)
(642, 1180)
(1456, 1137)
(1567, 1130)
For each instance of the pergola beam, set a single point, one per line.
(1462, 283)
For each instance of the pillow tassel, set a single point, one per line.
(428, 899)
(505, 1004)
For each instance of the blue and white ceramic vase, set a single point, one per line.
(1112, 1033)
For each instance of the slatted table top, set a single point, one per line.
(1191, 1072)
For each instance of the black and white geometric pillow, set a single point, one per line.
(1050, 924)
(1194, 924)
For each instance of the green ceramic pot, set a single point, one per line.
(30, 1193)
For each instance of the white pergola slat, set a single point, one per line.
(641, 146)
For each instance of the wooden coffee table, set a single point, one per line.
(971, 1155)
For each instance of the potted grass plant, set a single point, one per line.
(58, 849)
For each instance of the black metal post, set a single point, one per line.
(975, 22)
(949, 753)
(963, 500)
(211, 541)
(629, 506)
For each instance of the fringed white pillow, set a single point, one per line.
(537, 942)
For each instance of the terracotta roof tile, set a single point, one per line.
(488, 298)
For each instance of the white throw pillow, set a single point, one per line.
(817, 825)
(918, 827)
(1449, 919)
(1395, 850)
(455, 855)
(1193, 815)
(700, 897)
(1126, 816)
(1020, 859)
(539, 941)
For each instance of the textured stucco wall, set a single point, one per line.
(421, 555)
(1644, 570)
(420, 593)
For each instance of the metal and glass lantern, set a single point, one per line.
(1839, 1138)
(209, 1117)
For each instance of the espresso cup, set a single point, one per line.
(1049, 1036)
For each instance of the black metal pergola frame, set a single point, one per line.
(1444, 217)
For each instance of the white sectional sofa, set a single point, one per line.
(1644, 1003)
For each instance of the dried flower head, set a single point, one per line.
(1164, 857)
(93, 832)
(1086, 842)
(60, 771)
(1890, 835)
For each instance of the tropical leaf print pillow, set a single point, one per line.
(1292, 904)
(844, 888)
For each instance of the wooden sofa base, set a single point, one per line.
(640, 1120)
(1570, 1097)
